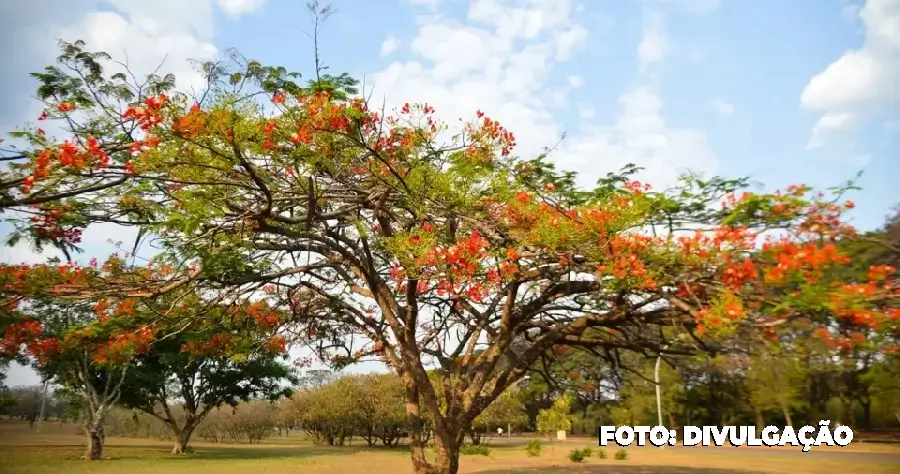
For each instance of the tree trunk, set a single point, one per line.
(760, 422)
(787, 415)
(446, 461)
(867, 414)
(95, 439)
(183, 437)
(849, 419)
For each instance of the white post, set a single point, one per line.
(658, 391)
(43, 404)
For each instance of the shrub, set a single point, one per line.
(577, 455)
(533, 448)
(601, 454)
(588, 451)
(475, 450)
(621, 455)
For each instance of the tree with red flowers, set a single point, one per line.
(228, 355)
(116, 347)
(81, 342)
(391, 235)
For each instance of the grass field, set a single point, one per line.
(57, 450)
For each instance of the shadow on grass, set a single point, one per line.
(163, 453)
(617, 470)
(257, 452)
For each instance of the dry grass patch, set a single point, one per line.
(57, 449)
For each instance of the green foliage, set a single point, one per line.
(637, 394)
(370, 406)
(533, 448)
(556, 418)
(621, 455)
(577, 455)
(475, 450)
(505, 411)
(776, 380)
(601, 454)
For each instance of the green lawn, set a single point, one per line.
(57, 450)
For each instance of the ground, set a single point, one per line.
(57, 449)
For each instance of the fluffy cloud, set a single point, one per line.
(722, 107)
(575, 80)
(511, 48)
(653, 45)
(163, 35)
(240, 7)
(641, 136)
(861, 80)
(828, 125)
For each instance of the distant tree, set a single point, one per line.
(884, 380)
(507, 410)
(382, 410)
(776, 381)
(27, 402)
(556, 418)
(203, 369)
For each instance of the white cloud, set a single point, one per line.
(827, 125)
(722, 107)
(653, 45)
(143, 34)
(641, 136)
(389, 45)
(240, 7)
(512, 47)
(575, 80)
(861, 80)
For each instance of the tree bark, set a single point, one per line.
(787, 415)
(867, 414)
(446, 446)
(183, 437)
(760, 422)
(849, 419)
(95, 440)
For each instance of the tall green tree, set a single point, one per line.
(173, 372)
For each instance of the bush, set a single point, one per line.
(601, 454)
(533, 448)
(587, 451)
(621, 455)
(475, 450)
(577, 455)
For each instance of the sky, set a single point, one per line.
(800, 91)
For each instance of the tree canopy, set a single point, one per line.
(389, 234)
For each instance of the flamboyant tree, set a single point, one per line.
(390, 235)
(83, 345)
(225, 358)
(86, 328)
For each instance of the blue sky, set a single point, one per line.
(784, 91)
